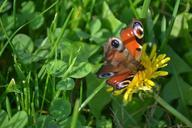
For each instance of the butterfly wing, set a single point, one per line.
(118, 66)
(122, 57)
(132, 37)
(120, 80)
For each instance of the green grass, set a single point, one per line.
(50, 52)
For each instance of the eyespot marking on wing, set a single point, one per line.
(106, 74)
(117, 44)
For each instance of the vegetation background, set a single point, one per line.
(50, 51)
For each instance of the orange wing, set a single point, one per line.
(132, 37)
(122, 56)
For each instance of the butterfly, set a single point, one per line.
(122, 56)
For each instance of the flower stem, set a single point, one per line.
(173, 111)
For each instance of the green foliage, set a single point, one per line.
(23, 46)
(96, 104)
(50, 52)
(19, 120)
(60, 108)
(65, 84)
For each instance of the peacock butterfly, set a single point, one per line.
(122, 56)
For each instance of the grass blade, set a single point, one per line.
(92, 95)
(176, 7)
(173, 111)
(145, 8)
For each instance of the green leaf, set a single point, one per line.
(12, 87)
(19, 120)
(95, 26)
(131, 113)
(40, 55)
(37, 22)
(70, 48)
(176, 62)
(4, 119)
(42, 52)
(65, 84)
(104, 123)
(26, 12)
(145, 8)
(176, 88)
(56, 68)
(179, 86)
(101, 99)
(181, 23)
(60, 108)
(188, 57)
(23, 42)
(110, 20)
(23, 46)
(46, 121)
(97, 34)
(28, 7)
(163, 28)
(87, 50)
(19, 71)
(81, 34)
(81, 70)
(97, 37)
(188, 95)
(127, 14)
(4, 6)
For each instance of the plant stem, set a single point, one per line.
(92, 95)
(44, 93)
(173, 111)
(75, 115)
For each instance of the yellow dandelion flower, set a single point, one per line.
(143, 80)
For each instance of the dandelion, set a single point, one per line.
(143, 80)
